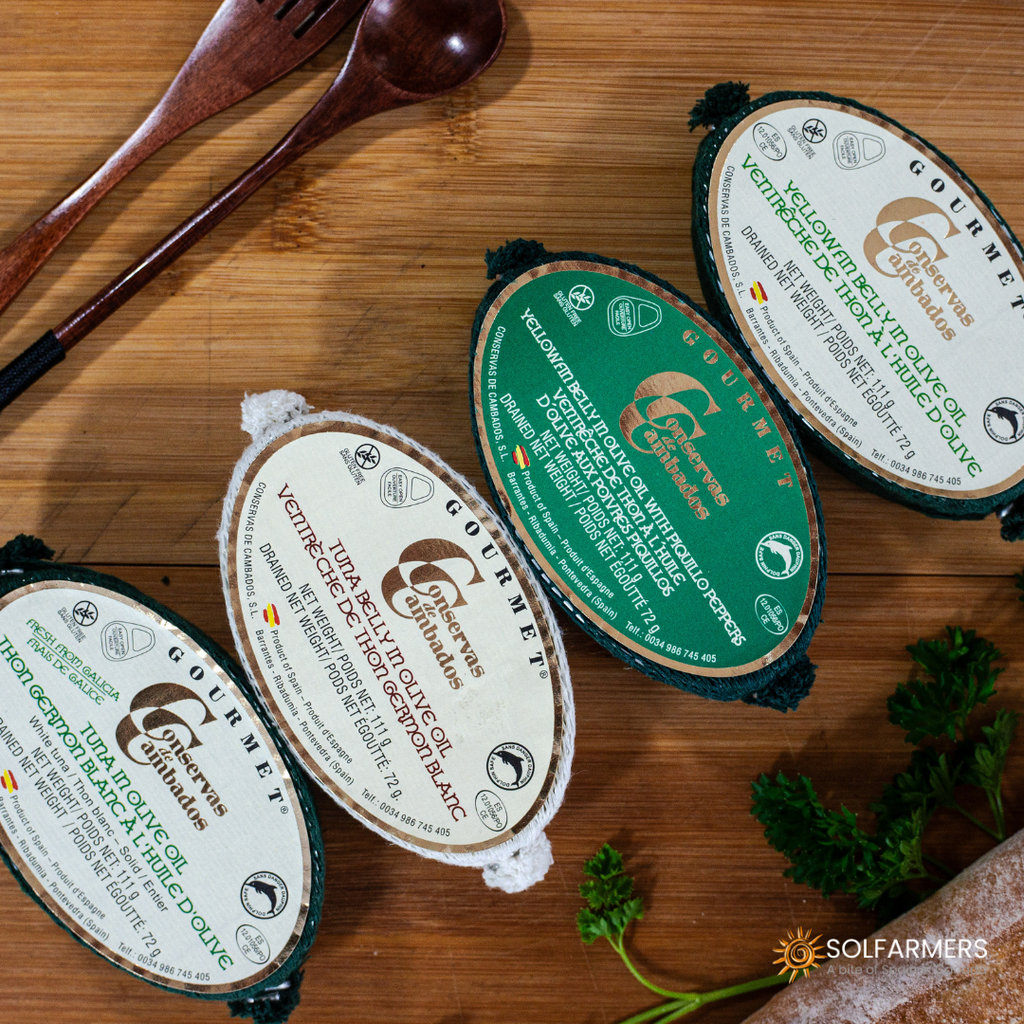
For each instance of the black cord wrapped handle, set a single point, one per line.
(27, 368)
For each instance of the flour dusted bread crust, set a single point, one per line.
(986, 901)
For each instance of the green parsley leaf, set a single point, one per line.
(990, 756)
(827, 849)
(608, 896)
(901, 858)
(962, 677)
(908, 790)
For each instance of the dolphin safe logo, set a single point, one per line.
(264, 894)
(1004, 420)
(510, 766)
(779, 555)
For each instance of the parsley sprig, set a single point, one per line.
(828, 849)
(611, 907)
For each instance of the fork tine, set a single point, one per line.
(315, 15)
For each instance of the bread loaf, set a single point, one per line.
(983, 907)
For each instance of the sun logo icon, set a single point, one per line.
(798, 953)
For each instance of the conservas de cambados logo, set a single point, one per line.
(904, 244)
(800, 955)
(657, 423)
(425, 571)
(160, 730)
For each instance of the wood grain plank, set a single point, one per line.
(354, 279)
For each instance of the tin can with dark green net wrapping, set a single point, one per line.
(876, 290)
(647, 475)
(146, 802)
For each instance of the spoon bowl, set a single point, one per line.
(404, 52)
(438, 48)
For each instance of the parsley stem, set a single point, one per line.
(676, 1011)
(995, 801)
(971, 818)
(657, 1011)
(620, 949)
(686, 1003)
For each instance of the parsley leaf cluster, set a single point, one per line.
(611, 907)
(828, 850)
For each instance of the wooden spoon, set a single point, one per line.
(247, 45)
(404, 51)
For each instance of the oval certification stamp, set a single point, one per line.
(264, 894)
(779, 555)
(772, 614)
(491, 810)
(253, 943)
(510, 766)
(769, 141)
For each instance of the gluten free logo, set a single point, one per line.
(85, 613)
(814, 130)
(779, 555)
(510, 766)
(264, 894)
(1004, 420)
(581, 296)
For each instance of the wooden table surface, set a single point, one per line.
(353, 279)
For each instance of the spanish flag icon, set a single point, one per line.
(7, 781)
(758, 293)
(520, 458)
(271, 617)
